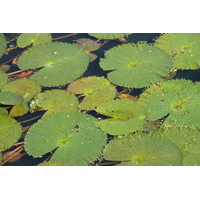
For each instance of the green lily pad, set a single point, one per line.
(27, 89)
(109, 36)
(178, 98)
(73, 136)
(61, 63)
(136, 66)
(3, 111)
(26, 39)
(184, 47)
(51, 163)
(126, 116)
(3, 79)
(55, 101)
(3, 44)
(10, 98)
(188, 141)
(0, 157)
(10, 132)
(95, 89)
(143, 149)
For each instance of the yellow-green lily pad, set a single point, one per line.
(95, 89)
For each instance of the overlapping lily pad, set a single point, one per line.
(95, 89)
(27, 89)
(178, 98)
(3, 79)
(61, 63)
(136, 66)
(3, 44)
(10, 132)
(3, 111)
(73, 136)
(10, 98)
(143, 149)
(184, 47)
(26, 39)
(125, 116)
(109, 36)
(188, 141)
(55, 101)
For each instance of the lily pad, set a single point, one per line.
(27, 89)
(61, 63)
(184, 47)
(55, 101)
(109, 36)
(3, 111)
(95, 89)
(73, 136)
(87, 44)
(188, 141)
(3, 79)
(3, 44)
(126, 116)
(136, 66)
(26, 39)
(0, 157)
(178, 98)
(10, 132)
(143, 149)
(51, 163)
(10, 98)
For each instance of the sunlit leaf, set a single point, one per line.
(110, 36)
(10, 132)
(184, 47)
(95, 89)
(26, 39)
(3, 44)
(61, 63)
(188, 141)
(126, 116)
(136, 66)
(73, 136)
(178, 98)
(55, 101)
(143, 149)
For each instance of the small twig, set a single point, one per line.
(58, 38)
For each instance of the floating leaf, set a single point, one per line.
(51, 163)
(109, 36)
(26, 39)
(188, 141)
(3, 111)
(184, 47)
(143, 149)
(27, 89)
(126, 116)
(0, 157)
(3, 44)
(55, 101)
(61, 63)
(95, 89)
(87, 44)
(74, 136)
(136, 66)
(180, 98)
(3, 79)
(10, 132)
(4, 68)
(10, 98)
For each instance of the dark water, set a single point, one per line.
(93, 69)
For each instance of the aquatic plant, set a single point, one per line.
(130, 68)
(26, 39)
(95, 89)
(142, 149)
(133, 113)
(73, 136)
(57, 60)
